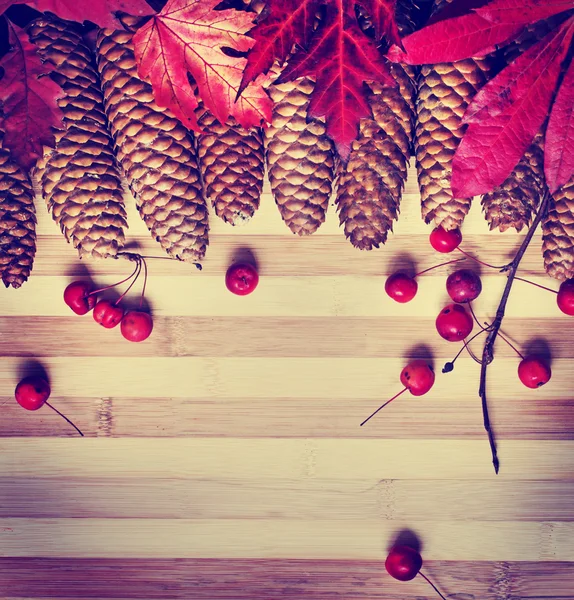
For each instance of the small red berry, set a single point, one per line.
(534, 372)
(403, 563)
(417, 377)
(32, 392)
(463, 285)
(565, 297)
(108, 315)
(241, 279)
(77, 297)
(454, 323)
(445, 241)
(401, 287)
(136, 326)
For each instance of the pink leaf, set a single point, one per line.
(453, 39)
(506, 114)
(28, 97)
(382, 13)
(523, 11)
(559, 143)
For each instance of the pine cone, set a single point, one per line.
(300, 158)
(558, 234)
(445, 90)
(369, 186)
(17, 223)
(79, 178)
(156, 151)
(232, 167)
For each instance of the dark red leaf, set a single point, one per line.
(28, 97)
(523, 11)
(456, 8)
(453, 39)
(288, 22)
(341, 59)
(559, 143)
(100, 12)
(189, 35)
(506, 115)
(382, 13)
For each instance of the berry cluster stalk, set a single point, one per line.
(488, 351)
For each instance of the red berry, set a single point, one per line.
(108, 315)
(136, 326)
(77, 297)
(401, 288)
(403, 563)
(241, 279)
(417, 377)
(533, 372)
(445, 241)
(565, 297)
(32, 392)
(454, 323)
(463, 285)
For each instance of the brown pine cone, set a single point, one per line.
(444, 92)
(369, 186)
(231, 159)
(156, 152)
(17, 223)
(300, 158)
(80, 179)
(558, 234)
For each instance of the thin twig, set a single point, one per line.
(64, 417)
(450, 262)
(542, 287)
(488, 351)
(481, 262)
(431, 584)
(383, 406)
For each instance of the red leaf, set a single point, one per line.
(453, 39)
(341, 59)
(99, 12)
(559, 142)
(188, 35)
(506, 114)
(382, 13)
(28, 97)
(289, 22)
(523, 11)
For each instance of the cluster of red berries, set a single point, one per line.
(455, 323)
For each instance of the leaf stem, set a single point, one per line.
(494, 328)
(383, 406)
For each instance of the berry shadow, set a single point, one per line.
(244, 255)
(406, 537)
(31, 367)
(424, 352)
(403, 262)
(79, 270)
(539, 347)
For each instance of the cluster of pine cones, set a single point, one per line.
(112, 125)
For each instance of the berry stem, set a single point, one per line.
(383, 406)
(480, 262)
(135, 256)
(488, 327)
(109, 287)
(511, 345)
(464, 346)
(437, 266)
(431, 584)
(138, 269)
(488, 351)
(542, 287)
(145, 281)
(64, 417)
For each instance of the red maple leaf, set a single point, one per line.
(288, 22)
(100, 12)
(28, 97)
(382, 13)
(190, 36)
(507, 113)
(340, 59)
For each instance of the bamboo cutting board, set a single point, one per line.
(223, 457)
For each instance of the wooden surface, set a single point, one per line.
(223, 457)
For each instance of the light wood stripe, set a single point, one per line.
(271, 458)
(284, 500)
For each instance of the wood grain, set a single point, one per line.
(223, 457)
